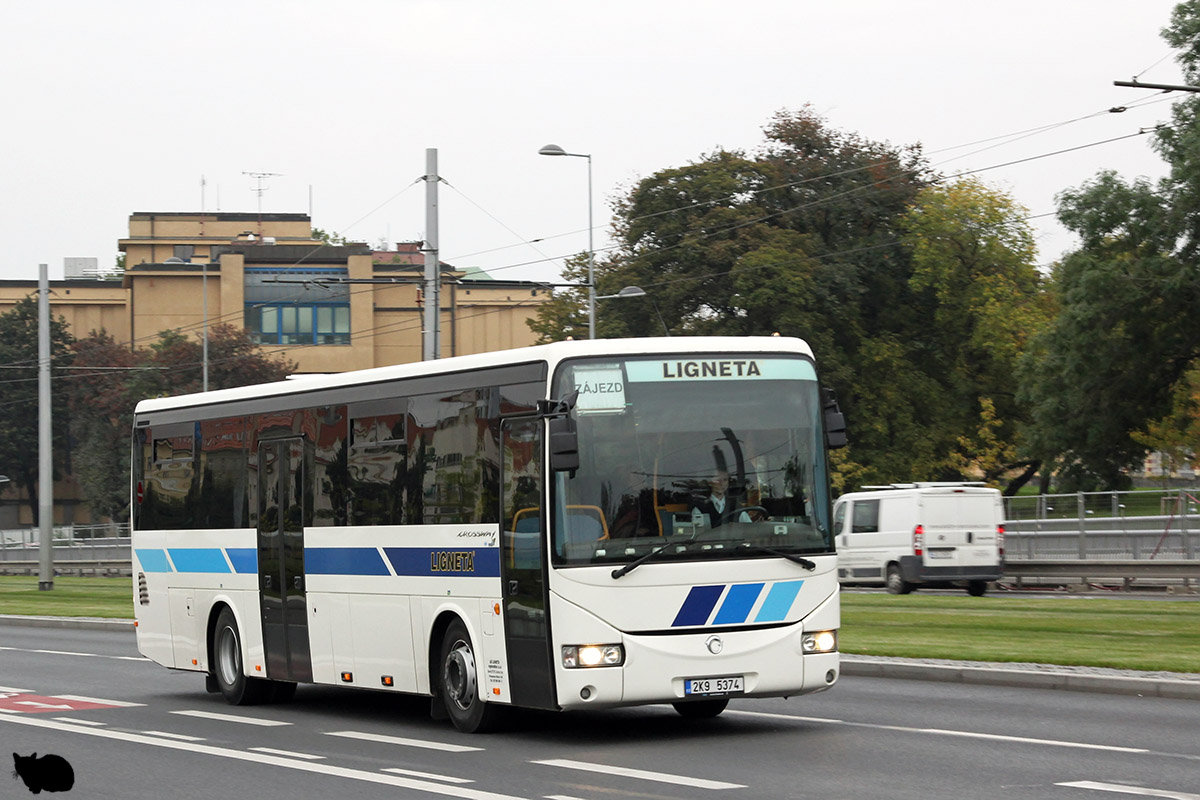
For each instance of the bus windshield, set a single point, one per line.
(699, 457)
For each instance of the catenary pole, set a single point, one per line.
(45, 471)
(431, 335)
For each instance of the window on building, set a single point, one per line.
(289, 306)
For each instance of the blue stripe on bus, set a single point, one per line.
(244, 559)
(481, 562)
(699, 604)
(343, 561)
(153, 560)
(779, 601)
(198, 559)
(738, 603)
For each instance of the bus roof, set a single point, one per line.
(549, 353)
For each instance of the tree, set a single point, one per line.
(916, 296)
(103, 400)
(1128, 328)
(19, 400)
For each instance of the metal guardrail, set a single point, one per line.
(114, 567)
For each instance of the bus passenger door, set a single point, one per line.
(281, 520)
(522, 565)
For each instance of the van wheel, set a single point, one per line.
(976, 588)
(895, 583)
(238, 688)
(458, 683)
(701, 709)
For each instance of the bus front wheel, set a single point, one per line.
(458, 683)
(701, 709)
(237, 688)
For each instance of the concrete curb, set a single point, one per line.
(851, 666)
(1025, 678)
(76, 623)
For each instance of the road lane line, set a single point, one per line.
(180, 736)
(9, 689)
(82, 699)
(1138, 790)
(431, 776)
(72, 653)
(288, 753)
(382, 739)
(641, 774)
(230, 718)
(265, 758)
(74, 721)
(941, 732)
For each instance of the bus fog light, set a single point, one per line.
(575, 656)
(820, 642)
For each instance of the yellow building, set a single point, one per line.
(329, 308)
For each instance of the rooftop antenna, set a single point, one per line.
(260, 187)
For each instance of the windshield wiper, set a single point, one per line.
(632, 565)
(804, 562)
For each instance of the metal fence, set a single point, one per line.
(79, 549)
(1132, 526)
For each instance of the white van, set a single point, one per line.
(920, 534)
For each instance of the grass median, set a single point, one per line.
(1106, 631)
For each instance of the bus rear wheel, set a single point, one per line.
(701, 709)
(458, 683)
(237, 688)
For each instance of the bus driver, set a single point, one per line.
(718, 504)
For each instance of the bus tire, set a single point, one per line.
(895, 582)
(237, 688)
(976, 588)
(701, 709)
(458, 683)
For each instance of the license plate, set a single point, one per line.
(947, 553)
(714, 686)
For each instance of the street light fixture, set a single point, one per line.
(637, 291)
(555, 150)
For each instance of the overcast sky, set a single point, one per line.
(126, 106)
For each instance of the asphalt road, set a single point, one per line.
(69, 693)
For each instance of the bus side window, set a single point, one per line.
(864, 516)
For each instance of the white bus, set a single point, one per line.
(504, 529)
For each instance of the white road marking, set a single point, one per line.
(80, 721)
(82, 699)
(230, 718)
(941, 732)
(1138, 790)
(10, 689)
(562, 797)
(431, 776)
(661, 777)
(382, 739)
(72, 653)
(288, 753)
(181, 737)
(264, 758)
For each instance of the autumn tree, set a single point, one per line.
(19, 400)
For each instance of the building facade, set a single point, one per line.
(327, 307)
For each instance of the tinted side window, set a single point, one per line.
(865, 516)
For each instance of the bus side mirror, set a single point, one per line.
(564, 445)
(835, 420)
(835, 429)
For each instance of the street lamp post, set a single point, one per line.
(637, 291)
(555, 150)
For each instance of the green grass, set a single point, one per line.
(70, 597)
(1087, 631)
(1097, 631)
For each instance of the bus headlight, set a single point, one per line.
(575, 656)
(820, 642)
